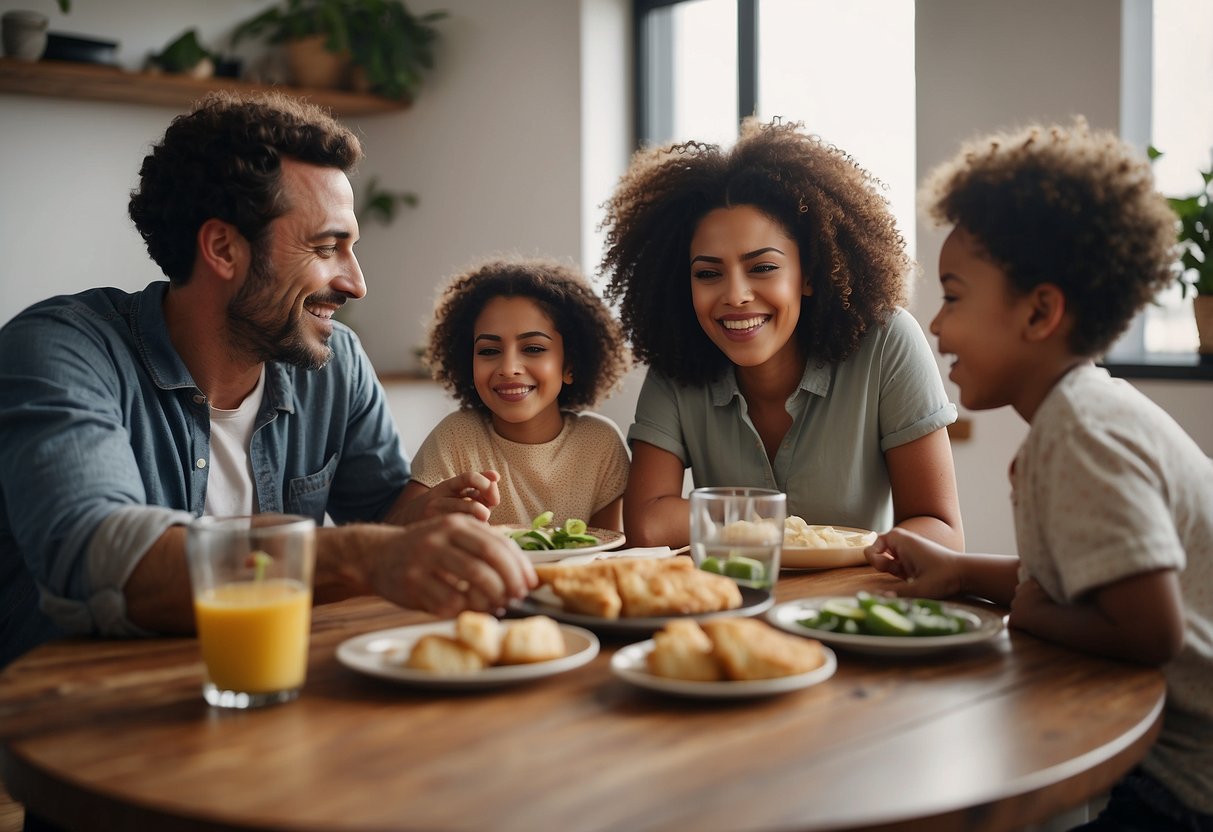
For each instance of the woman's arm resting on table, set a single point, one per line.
(923, 479)
(1140, 618)
(609, 516)
(654, 511)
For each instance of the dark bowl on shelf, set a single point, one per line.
(61, 47)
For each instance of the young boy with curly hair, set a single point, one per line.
(525, 345)
(763, 284)
(1059, 237)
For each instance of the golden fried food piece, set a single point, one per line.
(441, 654)
(639, 587)
(750, 649)
(549, 572)
(588, 594)
(534, 639)
(481, 632)
(683, 651)
(676, 592)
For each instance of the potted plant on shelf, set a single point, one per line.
(1195, 268)
(390, 47)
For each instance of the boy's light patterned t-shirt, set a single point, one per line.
(1107, 486)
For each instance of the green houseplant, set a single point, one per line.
(391, 47)
(1195, 267)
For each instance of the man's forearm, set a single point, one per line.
(158, 590)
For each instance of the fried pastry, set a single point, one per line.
(639, 587)
(481, 632)
(440, 654)
(683, 651)
(676, 592)
(534, 639)
(588, 594)
(749, 649)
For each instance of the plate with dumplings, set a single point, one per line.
(724, 658)
(474, 650)
(636, 596)
(810, 546)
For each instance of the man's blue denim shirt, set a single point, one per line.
(105, 444)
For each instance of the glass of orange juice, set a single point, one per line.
(252, 588)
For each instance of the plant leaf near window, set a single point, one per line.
(1195, 213)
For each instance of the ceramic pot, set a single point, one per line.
(23, 35)
(1202, 306)
(311, 65)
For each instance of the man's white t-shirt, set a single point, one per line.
(229, 482)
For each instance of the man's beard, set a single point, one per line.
(258, 327)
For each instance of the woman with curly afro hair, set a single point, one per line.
(763, 286)
(525, 345)
(1058, 238)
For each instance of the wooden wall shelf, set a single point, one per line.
(93, 82)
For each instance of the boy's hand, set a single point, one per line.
(929, 570)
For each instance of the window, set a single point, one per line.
(1181, 117)
(706, 63)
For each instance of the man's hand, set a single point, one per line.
(932, 570)
(468, 493)
(448, 564)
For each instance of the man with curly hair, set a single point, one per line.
(229, 389)
(526, 346)
(762, 285)
(1059, 237)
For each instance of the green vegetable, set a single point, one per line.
(886, 621)
(542, 536)
(712, 565)
(744, 569)
(876, 615)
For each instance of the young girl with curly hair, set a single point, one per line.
(525, 346)
(1059, 237)
(763, 286)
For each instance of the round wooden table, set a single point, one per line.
(115, 735)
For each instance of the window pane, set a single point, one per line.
(1182, 116)
(690, 50)
(847, 71)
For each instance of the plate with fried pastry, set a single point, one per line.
(451, 655)
(815, 546)
(724, 659)
(636, 596)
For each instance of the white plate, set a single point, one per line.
(984, 625)
(649, 553)
(753, 602)
(630, 664)
(368, 653)
(607, 539)
(829, 557)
